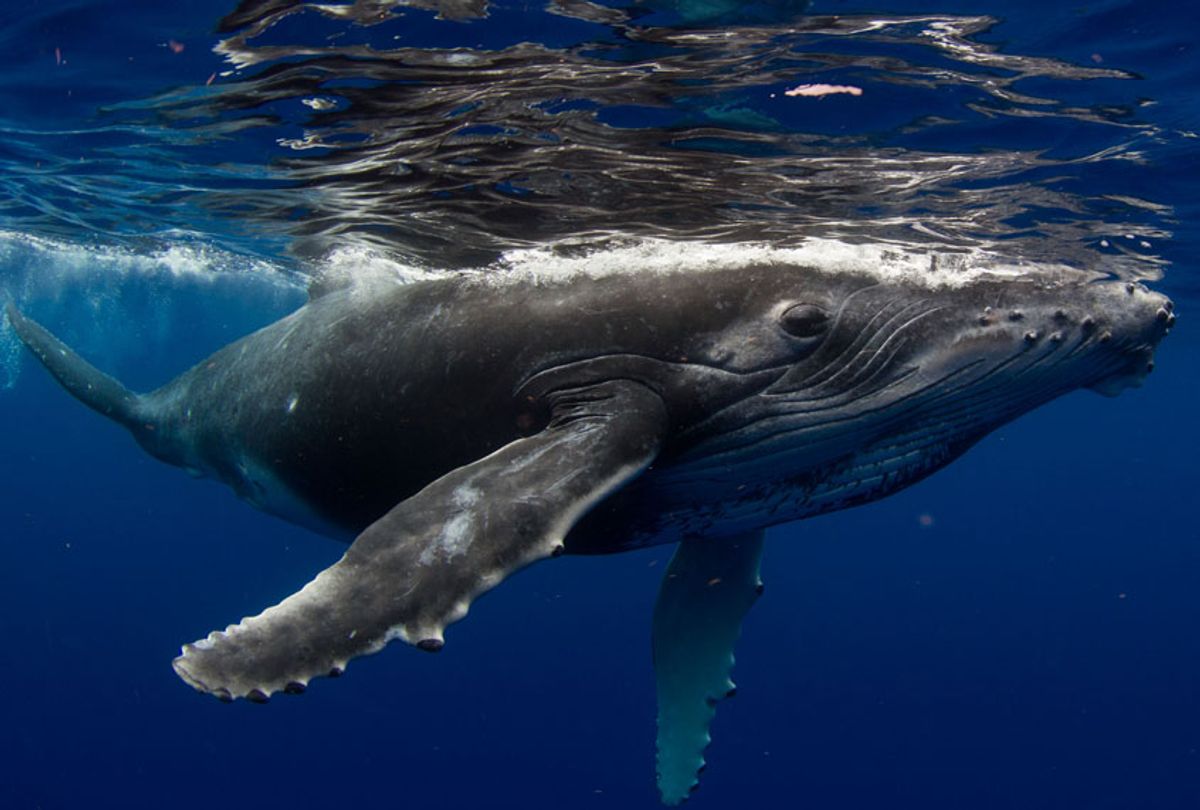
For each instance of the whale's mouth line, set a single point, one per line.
(1004, 390)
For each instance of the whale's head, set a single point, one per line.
(889, 379)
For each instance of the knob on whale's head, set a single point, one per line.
(1135, 319)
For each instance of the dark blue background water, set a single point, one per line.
(1035, 646)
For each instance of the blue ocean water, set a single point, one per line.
(1018, 631)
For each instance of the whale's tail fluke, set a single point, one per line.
(86, 383)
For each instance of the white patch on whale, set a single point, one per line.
(455, 535)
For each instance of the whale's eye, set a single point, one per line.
(804, 321)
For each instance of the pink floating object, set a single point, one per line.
(811, 90)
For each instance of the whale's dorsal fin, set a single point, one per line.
(417, 569)
(707, 590)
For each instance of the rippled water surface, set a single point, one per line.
(446, 133)
(1017, 633)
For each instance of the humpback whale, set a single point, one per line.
(460, 427)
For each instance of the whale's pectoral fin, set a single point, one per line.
(417, 568)
(707, 590)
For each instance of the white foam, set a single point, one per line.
(916, 264)
(358, 264)
(363, 268)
